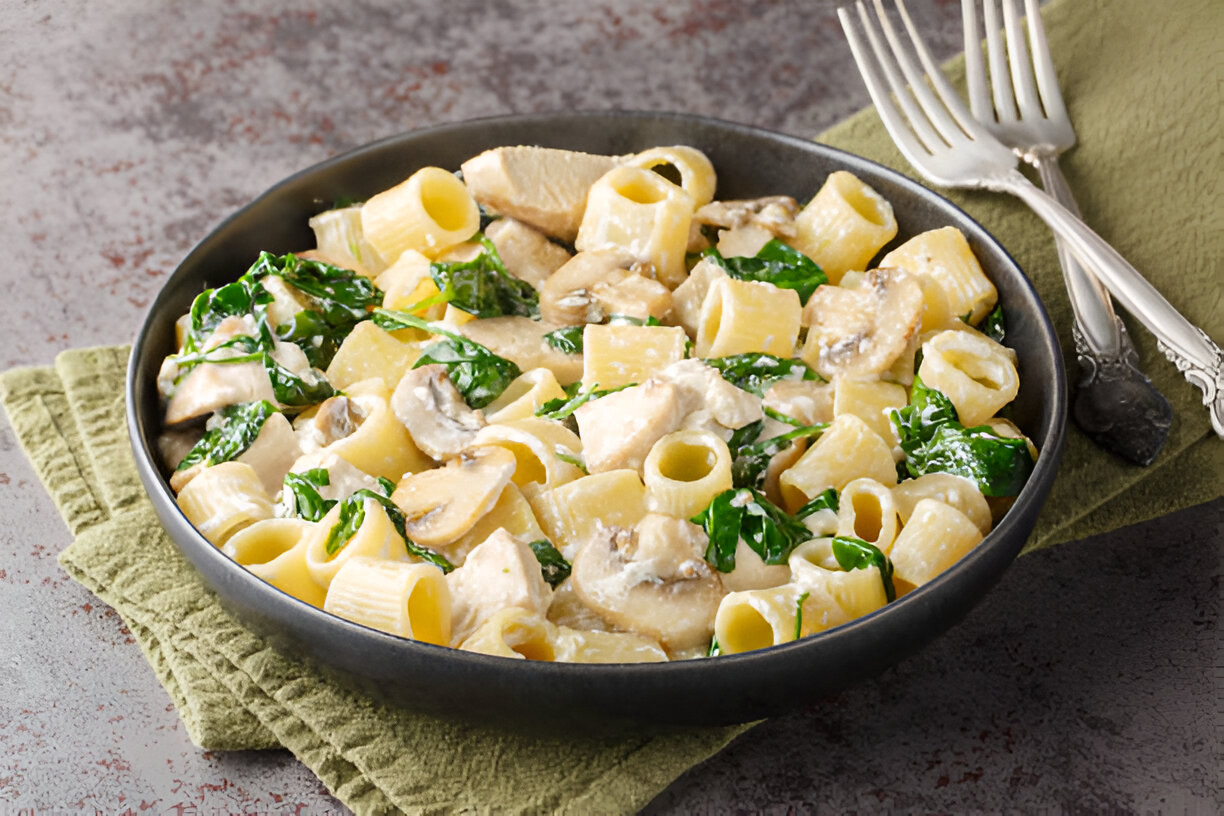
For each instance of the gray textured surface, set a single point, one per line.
(1088, 681)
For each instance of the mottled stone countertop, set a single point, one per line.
(1089, 680)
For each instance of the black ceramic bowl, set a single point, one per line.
(750, 162)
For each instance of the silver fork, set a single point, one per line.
(1115, 404)
(942, 140)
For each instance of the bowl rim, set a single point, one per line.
(927, 599)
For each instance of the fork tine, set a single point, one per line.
(869, 66)
(1021, 66)
(1000, 84)
(975, 65)
(947, 94)
(1047, 77)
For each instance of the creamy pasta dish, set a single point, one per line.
(574, 407)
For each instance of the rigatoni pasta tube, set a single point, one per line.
(375, 538)
(848, 450)
(544, 450)
(275, 550)
(759, 618)
(589, 646)
(513, 632)
(380, 446)
(739, 317)
(429, 212)
(844, 225)
(613, 356)
(972, 371)
(684, 471)
(697, 176)
(574, 511)
(944, 256)
(936, 536)
(956, 491)
(642, 212)
(524, 396)
(868, 512)
(223, 499)
(409, 600)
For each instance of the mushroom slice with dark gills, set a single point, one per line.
(442, 504)
(652, 580)
(859, 332)
(427, 403)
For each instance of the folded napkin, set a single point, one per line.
(1133, 88)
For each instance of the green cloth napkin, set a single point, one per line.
(1148, 124)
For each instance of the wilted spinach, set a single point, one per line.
(304, 488)
(756, 372)
(776, 263)
(483, 286)
(553, 565)
(236, 431)
(352, 515)
(745, 513)
(854, 553)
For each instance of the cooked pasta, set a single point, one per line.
(570, 407)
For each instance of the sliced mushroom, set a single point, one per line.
(500, 572)
(860, 332)
(442, 504)
(544, 187)
(566, 297)
(773, 213)
(521, 340)
(634, 295)
(526, 252)
(652, 581)
(434, 412)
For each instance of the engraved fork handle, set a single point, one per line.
(1189, 348)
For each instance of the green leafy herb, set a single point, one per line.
(352, 515)
(630, 320)
(295, 391)
(756, 372)
(479, 374)
(826, 500)
(553, 565)
(780, 417)
(575, 460)
(561, 408)
(567, 339)
(934, 441)
(993, 326)
(750, 455)
(799, 615)
(304, 488)
(483, 287)
(776, 263)
(237, 430)
(745, 513)
(715, 650)
(854, 553)
(385, 485)
(210, 307)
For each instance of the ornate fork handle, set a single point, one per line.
(1189, 348)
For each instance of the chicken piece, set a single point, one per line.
(543, 187)
(619, 429)
(499, 573)
(526, 252)
(702, 388)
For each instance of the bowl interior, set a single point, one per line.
(749, 162)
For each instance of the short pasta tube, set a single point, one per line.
(223, 499)
(370, 352)
(758, 618)
(972, 371)
(327, 550)
(956, 491)
(870, 401)
(613, 356)
(380, 445)
(431, 211)
(855, 592)
(524, 396)
(936, 536)
(642, 212)
(739, 317)
(844, 225)
(867, 511)
(684, 471)
(696, 172)
(339, 236)
(275, 550)
(408, 600)
(849, 449)
(946, 257)
(516, 633)
(591, 646)
(573, 512)
(544, 450)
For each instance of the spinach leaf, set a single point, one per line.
(385, 485)
(854, 553)
(553, 565)
(352, 515)
(304, 488)
(483, 286)
(755, 372)
(295, 391)
(827, 500)
(242, 297)
(567, 339)
(750, 457)
(799, 615)
(237, 430)
(993, 326)
(562, 408)
(630, 320)
(776, 263)
(934, 441)
(745, 513)
(339, 299)
(479, 374)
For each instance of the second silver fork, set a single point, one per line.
(1115, 404)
